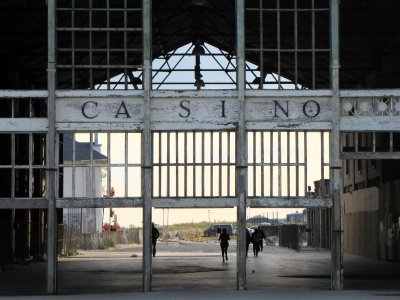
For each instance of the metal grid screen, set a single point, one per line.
(99, 44)
(194, 164)
(23, 165)
(99, 165)
(287, 164)
(287, 44)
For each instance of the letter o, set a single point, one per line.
(311, 103)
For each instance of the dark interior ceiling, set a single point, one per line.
(369, 38)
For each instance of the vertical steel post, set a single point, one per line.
(241, 149)
(336, 163)
(146, 148)
(51, 150)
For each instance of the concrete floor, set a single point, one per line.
(197, 266)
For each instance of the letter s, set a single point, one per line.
(185, 108)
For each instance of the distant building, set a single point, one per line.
(258, 220)
(86, 220)
(296, 218)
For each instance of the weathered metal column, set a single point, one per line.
(241, 149)
(146, 148)
(51, 151)
(336, 163)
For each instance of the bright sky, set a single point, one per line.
(134, 216)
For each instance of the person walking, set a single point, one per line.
(154, 236)
(223, 240)
(255, 239)
(262, 234)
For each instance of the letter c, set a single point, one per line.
(84, 113)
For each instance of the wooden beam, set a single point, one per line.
(370, 123)
(99, 202)
(291, 125)
(99, 94)
(292, 202)
(370, 155)
(335, 161)
(8, 203)
(51, 152)
(23, 94)
(370, 93)
(241, 150)
(184, 202)
(195, 202)
(146, 148)
(23, 124)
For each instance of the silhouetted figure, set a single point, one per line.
(154, 236)
(223, 240)
(248, 239)
(262, 238)
(255, 239)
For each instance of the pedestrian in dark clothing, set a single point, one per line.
(223, 240)
(154, 236)
(262, 238)
(255, 239)
(248, 239)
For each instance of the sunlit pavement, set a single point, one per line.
(194, 270)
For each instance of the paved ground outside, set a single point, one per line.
(195, 270)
